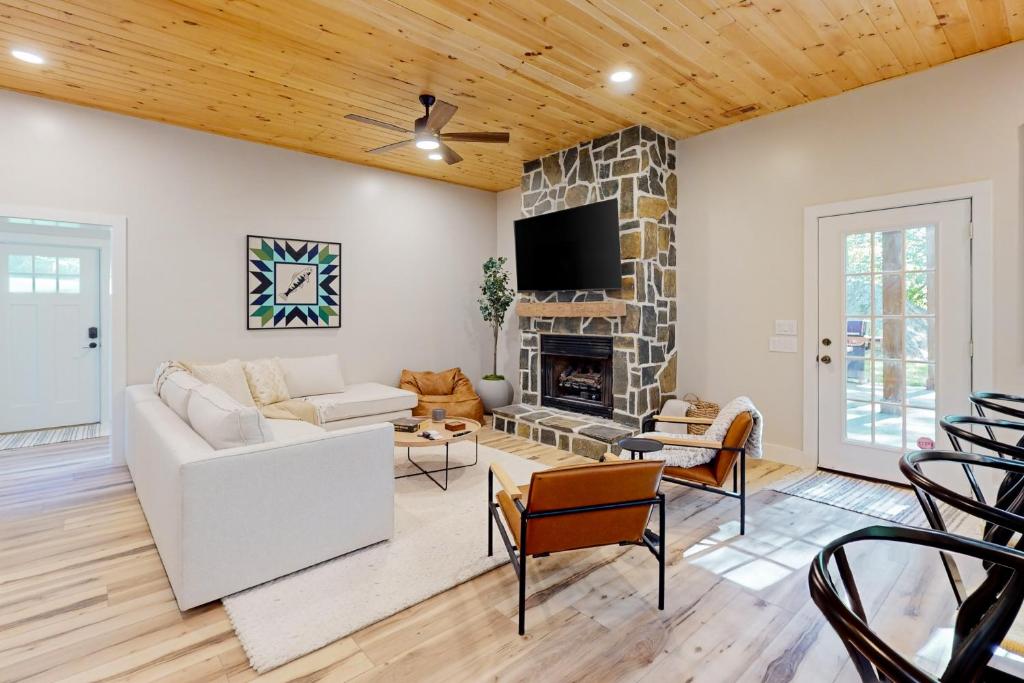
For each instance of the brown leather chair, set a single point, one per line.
(448, 389)
(578, 506)
(712, 476)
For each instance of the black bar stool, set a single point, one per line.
(1002, 520)
(982, 621)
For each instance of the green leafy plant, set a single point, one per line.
(495, 297)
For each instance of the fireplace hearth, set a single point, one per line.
(576, 373)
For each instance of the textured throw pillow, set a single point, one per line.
(175, 389)
(266, 381)
(312, 375)
(228, 376)
(223, 422)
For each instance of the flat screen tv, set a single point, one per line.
(572, 249)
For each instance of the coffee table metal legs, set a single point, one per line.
(446, 469)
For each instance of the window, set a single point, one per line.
(891, 336)
(43, 274)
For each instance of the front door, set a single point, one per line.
(49, 336)
(894, 342)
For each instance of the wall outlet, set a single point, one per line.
(782, 344)
(785, 327)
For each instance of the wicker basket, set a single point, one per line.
(700, 408)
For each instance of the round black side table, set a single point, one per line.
(637, 446)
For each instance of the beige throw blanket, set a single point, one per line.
(689, 456)
(292, 409)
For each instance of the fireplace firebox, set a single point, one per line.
(576, 373)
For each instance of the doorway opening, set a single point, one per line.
(898, 324)
(55, 318)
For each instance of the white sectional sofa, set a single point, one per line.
(229, 519)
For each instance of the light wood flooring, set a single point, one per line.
(83, 596)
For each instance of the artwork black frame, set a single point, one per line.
(264, 310)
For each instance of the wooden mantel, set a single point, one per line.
(571, 309)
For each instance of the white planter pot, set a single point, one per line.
(495, 393)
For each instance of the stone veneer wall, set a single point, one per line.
(637, 166)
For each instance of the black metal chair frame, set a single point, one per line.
(1002, 515)
(953, 426)
(981, 624)
(739, 468)
(653, 542)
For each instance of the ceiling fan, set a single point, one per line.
(427, 133)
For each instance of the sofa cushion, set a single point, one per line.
(175, 389)
(228, 376)
(266, 381)
(359, 400)
(293, 430)
(312, 375)
(223, 422)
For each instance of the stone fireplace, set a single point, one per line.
(576, 373)
(636, 166)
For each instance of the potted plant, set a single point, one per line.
(495, 297)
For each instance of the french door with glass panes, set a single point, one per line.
(894, 342)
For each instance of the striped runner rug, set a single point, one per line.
(876, 499)
(43, 437)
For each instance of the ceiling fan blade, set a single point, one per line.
(375, 122)
(476, 137)
(440, 114)
(450, 155)
(388, 148)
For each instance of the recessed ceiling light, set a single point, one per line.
(435, 156)
(621, 76)
(29, 57)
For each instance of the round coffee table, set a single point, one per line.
(637, 446)
(411, 440)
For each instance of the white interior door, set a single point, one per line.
(49, 364)
(894, 343)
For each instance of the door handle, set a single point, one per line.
(92, 345)
(826, 342)
(826, 359)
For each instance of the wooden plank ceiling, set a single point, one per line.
(285, 72)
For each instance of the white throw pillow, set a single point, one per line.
(228, 376)
(266, 381)
(175, 390)
(223, 422)
(312, 375)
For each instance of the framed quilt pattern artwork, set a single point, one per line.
(292, 283)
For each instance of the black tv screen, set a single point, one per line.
(571, 249)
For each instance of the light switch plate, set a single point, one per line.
(782, 344)
(785, 327)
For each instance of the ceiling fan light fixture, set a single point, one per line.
(621, 76)
(435, 156)
(427, 143)
(30, 57)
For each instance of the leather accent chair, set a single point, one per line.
(448, 389)
(578, 506)
(711, 476)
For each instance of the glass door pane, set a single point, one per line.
(891, 345)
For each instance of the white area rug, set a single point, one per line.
(440, 541)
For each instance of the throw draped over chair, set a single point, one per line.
(730, 457)
(982, 621)
(448, 389)
(574, 507)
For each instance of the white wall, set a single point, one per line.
(509, 210)
(742, 194)
(412, 248)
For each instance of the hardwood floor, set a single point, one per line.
(83, 596)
